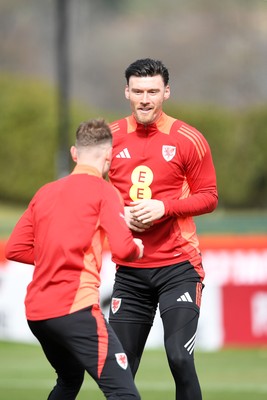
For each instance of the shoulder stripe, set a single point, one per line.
(195, 139)
(114, 127)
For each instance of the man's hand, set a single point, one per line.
(139, 243)
(147, 211)
(133, 223)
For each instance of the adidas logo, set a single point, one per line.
(124, 154)
(185, 297)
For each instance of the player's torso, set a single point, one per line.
(63, 244)
(153, 164)
(147, 166)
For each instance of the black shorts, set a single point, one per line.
(83, 341)
(138, 291)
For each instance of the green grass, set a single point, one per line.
(232, 374)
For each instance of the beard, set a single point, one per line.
(145, 118)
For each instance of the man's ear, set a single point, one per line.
(73, 152)
(167, 92)
(109, 155)
(126, 92)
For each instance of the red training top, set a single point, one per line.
(168, 161)
(62, 232)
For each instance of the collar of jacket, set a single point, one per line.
(86, 169)
(150, 128)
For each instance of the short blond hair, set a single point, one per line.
(92, 133)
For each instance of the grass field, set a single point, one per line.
(230, 374)
(233, 374)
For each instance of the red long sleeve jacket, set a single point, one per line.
(168, 161)
(61, 233)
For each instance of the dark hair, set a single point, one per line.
(147, 67)
(92, 133)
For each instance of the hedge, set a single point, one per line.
(238, 140)
(29, 137)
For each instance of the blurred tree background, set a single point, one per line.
(216, 55)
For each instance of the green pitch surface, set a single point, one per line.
(235, 374)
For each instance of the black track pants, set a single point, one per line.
(80, 342)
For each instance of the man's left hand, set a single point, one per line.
(147, 211)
